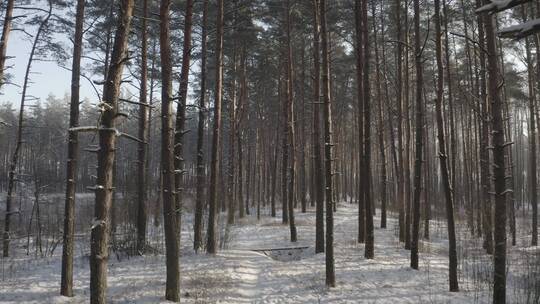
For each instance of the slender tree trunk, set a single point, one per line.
(362, 187)
(232, 133)
(201, 180)
(399, 104)
(284, 157)
(484, 143)
(66, 281)
(318, 166)
(369, 252)
(419, 137)
(107, 145)
(303, 188)
(380, 122)
(453, 136)
(214, 163)
(180, 130)
(170, 216)
(496, 110)
(142, 149)
(290, 125)
(274, 174)
(328, 144)
(452, 252)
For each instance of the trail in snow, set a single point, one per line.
(240, 275)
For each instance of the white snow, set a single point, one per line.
(238, 274)
(499, 5)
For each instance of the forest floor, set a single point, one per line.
(241, 274)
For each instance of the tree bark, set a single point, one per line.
(170, 216)
(290, 125)
(399, 96)
(380, 120)
(211, 246)
(199, 198)
(362, 187)
(318, 165)
(496, 110)
(107, 145)
(452, 252)
(180, 129)
(328, 144)
(6, 30)
(369, 252)
(419, 136)
(142, 149)
(66, 281)
(487, 221)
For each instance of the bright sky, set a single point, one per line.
(46, 77)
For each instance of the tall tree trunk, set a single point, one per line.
(499, 255)
(6, 30)
(369, 252)
(328, 144)
(484, 142)
(284, 156)
(318, 166)
(199, 197)
(232, 132)
(362, 187)
(66, 281)
(107, 145)
(407, 107)
(419, 137)
(380, 118)
(142, 149)
(399, 105)
(452, 252)
(214, 162)
(180, 130)
(453, 136)
(290, 124)
(303, 188)
(170, 216)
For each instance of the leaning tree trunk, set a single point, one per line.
(107, 145)
(419, 137)
(19, 142)
(6, 30)
(214, 163)
(170, 216)
(443, 158)
(327, 113)
(142, 149)
(494, 87)
(199, 196)
(181, 111)
(66, 281)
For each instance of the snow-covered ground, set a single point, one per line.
(238, 274)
